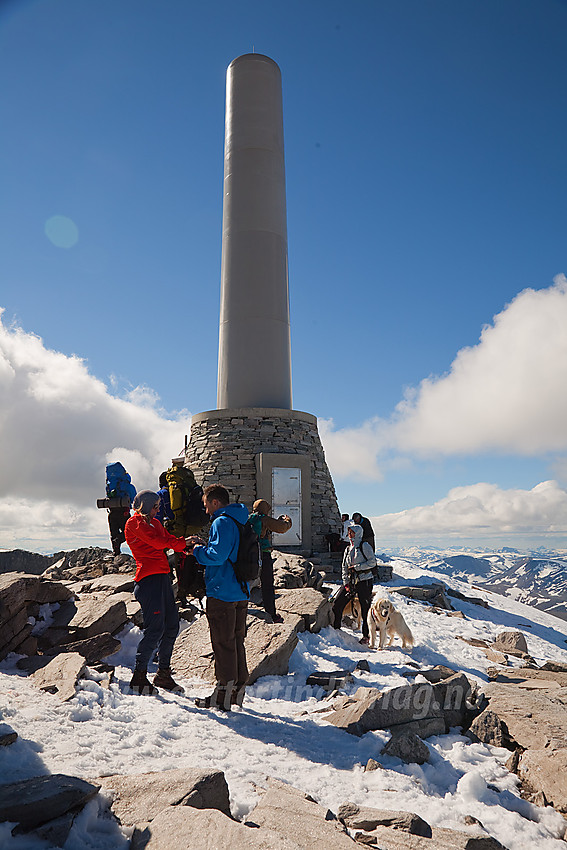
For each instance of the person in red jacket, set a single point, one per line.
(148, 540)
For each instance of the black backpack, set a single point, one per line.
(249, 557)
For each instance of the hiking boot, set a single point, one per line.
(218, 699)
(140, 683)
(277, 618)
(364, 641)
(164, 679)
(237, 695)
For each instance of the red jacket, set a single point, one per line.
(147, 540)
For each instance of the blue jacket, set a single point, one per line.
(221, 549)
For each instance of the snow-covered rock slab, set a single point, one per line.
(296, 816)
(417, 704)
(206, 829)
(141, 797)
(268, 649)
(35, 801)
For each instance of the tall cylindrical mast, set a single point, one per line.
(254, 368)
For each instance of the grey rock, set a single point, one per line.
(372, 764)
(114, 582)
(441, 839)
(268, 648)
(95, 648)
(287, 811)
(56, 832)
(537, 722)
(7, 735)
(407, 704)
(141, 797)
(511, 641)
(60, 675)
(408, 747)
(94, 617)
(178, 827)
(434, 594)
(312, 606)
(368, 819)
(433, 674)
(329, 681)
(32, 802)
(488, 728)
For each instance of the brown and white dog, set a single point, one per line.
(384, 618)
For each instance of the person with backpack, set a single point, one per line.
(148, 540)
(358, 579)
(227, 597)
(118, 486)
(183, 513)
(164, 514)
(264, 524)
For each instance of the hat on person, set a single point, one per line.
(260, 506)
(144, 501)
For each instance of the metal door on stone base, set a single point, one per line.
(286, 499)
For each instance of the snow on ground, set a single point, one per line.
(280, 733)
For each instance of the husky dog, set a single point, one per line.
(384, 618)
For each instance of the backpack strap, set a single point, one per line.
(240, 526)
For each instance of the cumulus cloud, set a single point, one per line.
(59, 426)
(506, 394)
(482, 510)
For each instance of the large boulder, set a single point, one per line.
(268, 649)
(139, 798)
(368, 819)
(19, 594)
(312, 606)
(536, 721)
(31, 802)
(96, 616)
(426, 707)
(295, 816)
(178, 827)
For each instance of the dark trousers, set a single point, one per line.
(227, 625)
(117, 518)
(362, 589)
(161, 620)
(267, 583)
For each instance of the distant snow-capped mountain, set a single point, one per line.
(536, 579)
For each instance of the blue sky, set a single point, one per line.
(426, 184)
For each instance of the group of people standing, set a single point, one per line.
(227, 599)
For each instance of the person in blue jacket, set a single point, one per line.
(227, 601)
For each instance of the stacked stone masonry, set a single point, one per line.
(224, 444)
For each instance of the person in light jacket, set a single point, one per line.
(358, 579)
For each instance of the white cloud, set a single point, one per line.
(59, 426)
(483, 510)
(506, 394)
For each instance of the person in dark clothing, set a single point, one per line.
(264, 524)
(367, 530)
(118, 486)
(358, 580)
